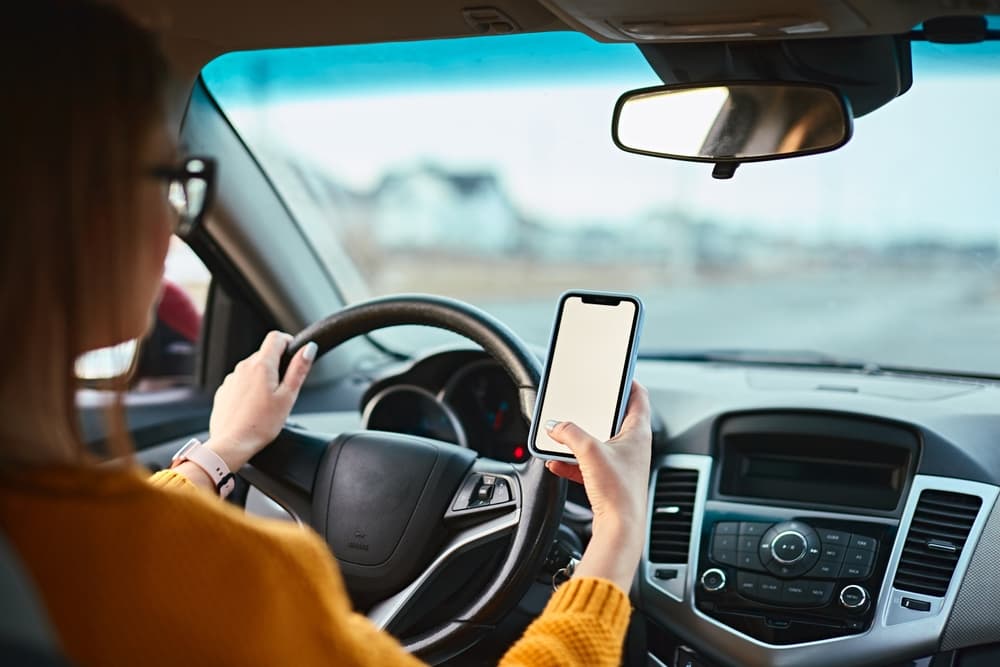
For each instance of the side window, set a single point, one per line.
(167, 357)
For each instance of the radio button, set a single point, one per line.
(789, 546)
(849, 571)
(854, 597)
(747, 586)
(753, 528)
(863, 542)
(713, 580)
(749, 561)
(727, 528)
(825, 570)
(769, 590)
(834, 537)
(819, 592)
(764, 552)
(724, 556)
(832, 553)
(727, 542)
(794, 594)
(860, 557)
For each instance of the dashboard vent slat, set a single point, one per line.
(673, 510)
(940, 517)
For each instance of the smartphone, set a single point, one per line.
(588, 373)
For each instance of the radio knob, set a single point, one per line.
(853, 597)
(789, 546)
(713, 580)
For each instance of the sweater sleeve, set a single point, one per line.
(171, 479)
(583, 624)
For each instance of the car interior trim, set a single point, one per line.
(260, 504)
(678, 587)
(881, 643)
(383, 613)
(975, 616)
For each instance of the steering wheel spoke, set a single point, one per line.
(489, 527)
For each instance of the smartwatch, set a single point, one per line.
(210, 462)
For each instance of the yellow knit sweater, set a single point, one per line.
(162, 573)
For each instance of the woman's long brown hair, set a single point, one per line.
(82, 89)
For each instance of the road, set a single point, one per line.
(945, 319)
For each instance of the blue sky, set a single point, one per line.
(536, 109)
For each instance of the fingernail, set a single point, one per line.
(551, 424)
(309, 351)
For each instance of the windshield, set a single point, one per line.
(483, 169)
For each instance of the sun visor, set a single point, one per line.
(869, 71)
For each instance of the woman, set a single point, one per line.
(160, 571)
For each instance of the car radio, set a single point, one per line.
(786, 582)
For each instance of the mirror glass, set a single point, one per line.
(106, 363)
(732, 122)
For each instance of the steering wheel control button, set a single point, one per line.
(753, 528)
(789, 547)
(727, 528)
(863, 542)
(481, 491)
(853, 597)
(834, 537)
(916, 605)
(713, 580)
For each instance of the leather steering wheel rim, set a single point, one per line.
(542, 494)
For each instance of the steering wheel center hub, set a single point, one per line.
(378, 502)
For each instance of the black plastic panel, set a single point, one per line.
(799, 601)
(815, 460)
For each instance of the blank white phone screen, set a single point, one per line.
(587, 369)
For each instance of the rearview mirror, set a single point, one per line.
(731, 122)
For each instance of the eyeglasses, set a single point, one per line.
(190, 188)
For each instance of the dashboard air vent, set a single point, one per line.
(940, 527)
(673, 509)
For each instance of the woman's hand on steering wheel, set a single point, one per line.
(253, 404)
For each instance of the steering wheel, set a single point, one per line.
(397, 509)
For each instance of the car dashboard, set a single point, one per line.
(796, 516)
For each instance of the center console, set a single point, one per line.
(790, 581)
(804, 539)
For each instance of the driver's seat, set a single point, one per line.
(26, 636)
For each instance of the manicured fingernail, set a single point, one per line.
(309, 351)
(551, 424)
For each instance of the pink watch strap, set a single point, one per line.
(210, 462)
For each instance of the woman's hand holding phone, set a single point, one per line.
(615, 475)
